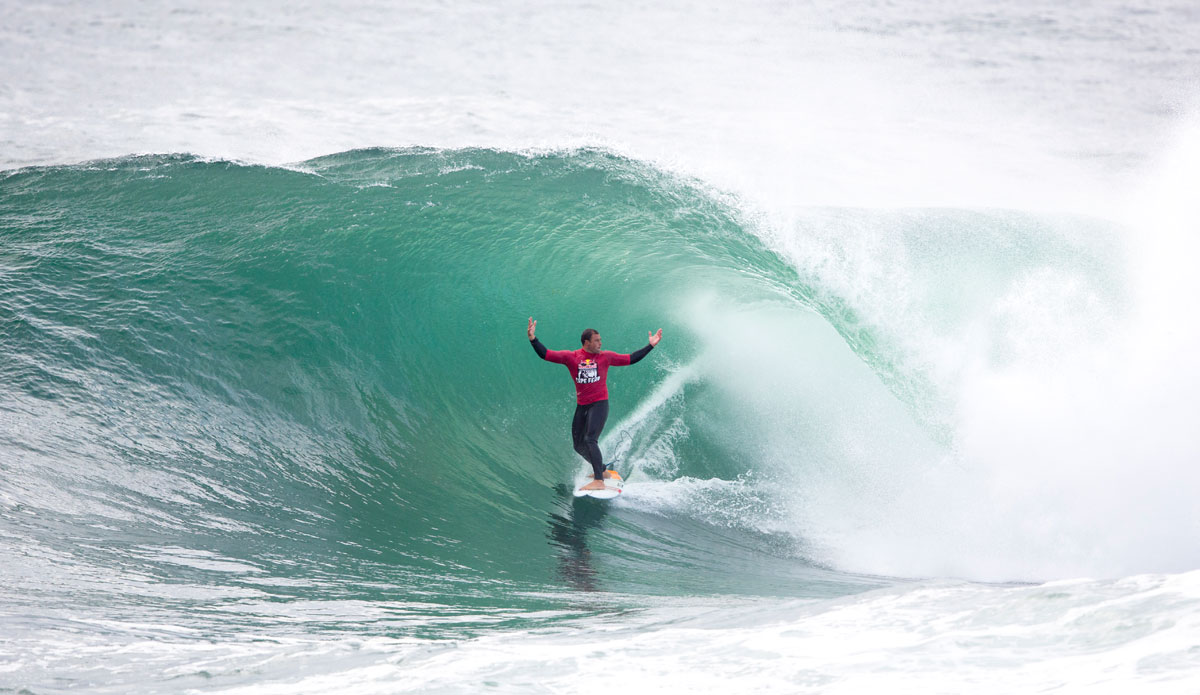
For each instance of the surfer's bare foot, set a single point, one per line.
(594, 485)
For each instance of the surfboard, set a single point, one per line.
(613, 482)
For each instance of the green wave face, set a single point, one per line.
(326, 369)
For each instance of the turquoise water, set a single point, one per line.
(321, 373)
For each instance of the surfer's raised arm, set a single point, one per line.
(537, 344)
(636, 357)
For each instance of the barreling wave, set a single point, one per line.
(320, 372)
(328, 362)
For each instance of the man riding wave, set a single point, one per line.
(589, 369)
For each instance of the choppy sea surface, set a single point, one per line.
(922, 420)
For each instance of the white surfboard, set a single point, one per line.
(612, 487)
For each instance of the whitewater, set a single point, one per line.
(922, 420)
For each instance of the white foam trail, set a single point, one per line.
(1072, 637)
(1090, 443)
(1073, 413)
(655, 457)
(1132, 635)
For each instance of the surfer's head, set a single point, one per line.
(590, 340)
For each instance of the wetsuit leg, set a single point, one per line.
(585, 434)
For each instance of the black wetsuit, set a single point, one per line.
(589, 418)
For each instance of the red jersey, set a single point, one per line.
(589, 371)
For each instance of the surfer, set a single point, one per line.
(589, 368)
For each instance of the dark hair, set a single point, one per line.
(587, 335)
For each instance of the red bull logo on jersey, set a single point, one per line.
(589, 372)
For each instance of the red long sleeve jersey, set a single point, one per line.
(589, 371)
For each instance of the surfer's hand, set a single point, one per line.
(654, 338)
(533, 327)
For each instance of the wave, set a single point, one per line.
(325, 364)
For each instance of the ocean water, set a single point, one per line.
(922, 420)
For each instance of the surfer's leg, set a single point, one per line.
(596, 417)
(579, 430)
(579, 435)
(585, 434)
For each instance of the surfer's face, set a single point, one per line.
(593, 344)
